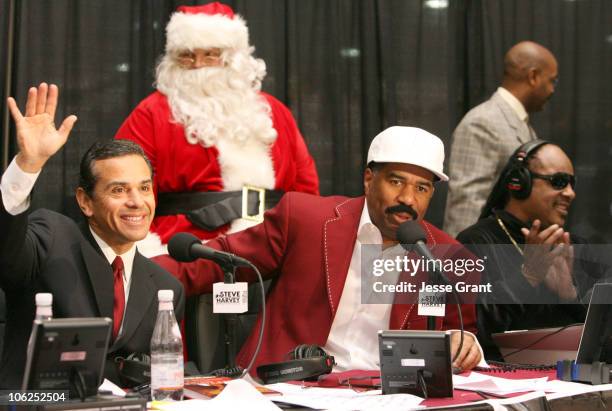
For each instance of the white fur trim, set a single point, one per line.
(151, 245)
(247, 162)
(191, 31)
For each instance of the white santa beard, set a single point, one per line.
(218, 107)
(214, 103)
(227, 114)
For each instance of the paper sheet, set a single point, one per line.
(237, 394)
(500, 405)
(561, 389)
(108, 386)
(496, 385)
(340, 399)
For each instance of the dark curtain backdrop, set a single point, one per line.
(346, 68)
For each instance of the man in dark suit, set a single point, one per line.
(92, 271)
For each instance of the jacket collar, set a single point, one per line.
(99, 271)
(338, 247)
(512, 118)
(142, 295)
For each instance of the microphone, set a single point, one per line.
(411, 236)
(186, 247)
(229, 298)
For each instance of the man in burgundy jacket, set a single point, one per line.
(312, 246)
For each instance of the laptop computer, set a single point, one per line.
(549, 345)
(578, 341)
(596, 340)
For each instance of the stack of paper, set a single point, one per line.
(237, 395)
(338, 399)
(496, 385)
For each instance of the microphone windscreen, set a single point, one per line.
(179, 247)
(410, 232)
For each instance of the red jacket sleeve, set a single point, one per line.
(263, 245)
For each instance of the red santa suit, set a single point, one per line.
(184, 167)
(181, 166)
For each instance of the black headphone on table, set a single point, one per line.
(306, 362)
(518, 180)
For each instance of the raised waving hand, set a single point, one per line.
(37, 137)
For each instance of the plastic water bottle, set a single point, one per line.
(43, 306)
(44, 311)
(167, 376)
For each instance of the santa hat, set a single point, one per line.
(207, 26)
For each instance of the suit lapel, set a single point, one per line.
(100, 273)
(521, 129)
(338, 248)
(142, 295)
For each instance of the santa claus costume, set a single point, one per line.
(211, 129)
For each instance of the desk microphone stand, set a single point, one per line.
(230, 320)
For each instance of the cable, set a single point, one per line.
(422, 383)
(79, 383)
(458, 302)
(542, 338)
(442, 278)
(263, 320)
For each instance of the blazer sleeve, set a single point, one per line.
(264, 245)
(24, 243)
(474, 165)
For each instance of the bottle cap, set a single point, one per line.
(44, 299)
(165, 295)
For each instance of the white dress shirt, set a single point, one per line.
(353, 337)
(16, 186)
(514, 103)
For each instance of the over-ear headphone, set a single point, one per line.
(518, 180)
(306, 362)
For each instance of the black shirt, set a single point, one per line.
(514, 303)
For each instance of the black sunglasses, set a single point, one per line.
(558, 181)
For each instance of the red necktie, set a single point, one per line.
(119, 301)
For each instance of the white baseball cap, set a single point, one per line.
(409, 145)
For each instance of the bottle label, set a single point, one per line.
(166, 305)
(230, 298)
(166, 371)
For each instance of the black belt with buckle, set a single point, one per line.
(212, 209)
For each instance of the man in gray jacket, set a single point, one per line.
(489, 133)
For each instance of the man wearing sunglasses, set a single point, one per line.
(539, 271)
